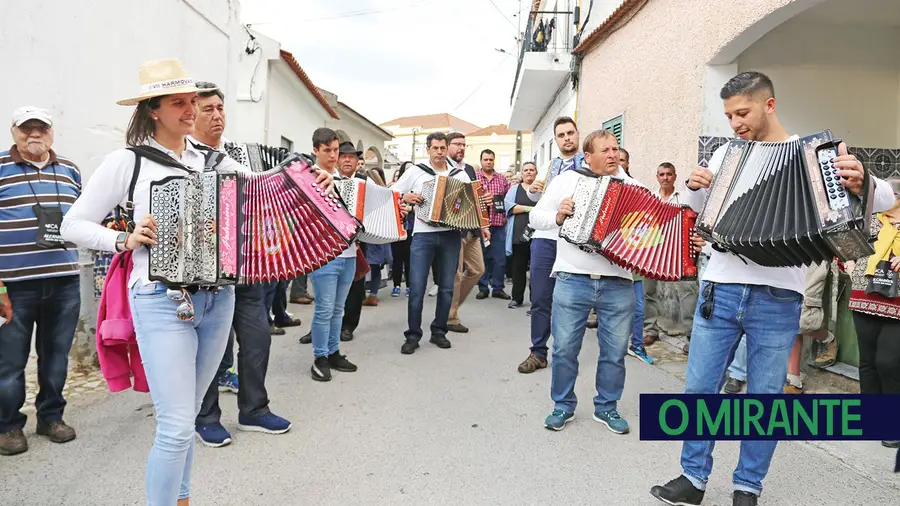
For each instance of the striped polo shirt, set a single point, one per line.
(21, 258)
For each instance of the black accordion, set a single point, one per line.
(258, 157)
(781, 204)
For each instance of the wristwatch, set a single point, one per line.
(120, 239)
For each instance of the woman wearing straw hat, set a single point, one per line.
(181, 334)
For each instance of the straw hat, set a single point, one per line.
(162, 77)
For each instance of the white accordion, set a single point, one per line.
(377, 207)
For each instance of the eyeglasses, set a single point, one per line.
(709, 301)
(28, 128)
(185, 310)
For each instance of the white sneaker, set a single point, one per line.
(433, 291)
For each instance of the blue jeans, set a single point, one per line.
(51, 304)
(440, 249)
(374, 279)
(770, 317)
(738, 367)
(573, 298)
(180, 359)
(331, 284)
(637, 328)
(543, 256)
(494, 261)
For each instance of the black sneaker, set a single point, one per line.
(482, 294)
(741, 498)
(340, 362)
(678, 492)
(500, 294)
(307, 339)
(409, 347)
(346, 335)
(321, 369)
(440, 341)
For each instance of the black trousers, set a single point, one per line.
(353, 305)
(879, 353)
(521, 254)
(400, 252)
(251, 327)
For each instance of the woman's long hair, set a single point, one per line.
(142, 127)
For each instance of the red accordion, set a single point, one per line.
(633, 228)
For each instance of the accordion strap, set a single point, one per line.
(430, 171)
(867, 198)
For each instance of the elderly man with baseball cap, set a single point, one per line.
(39, 277)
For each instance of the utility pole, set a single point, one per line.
(415, 131)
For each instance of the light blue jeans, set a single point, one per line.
(637, 328)
(573, 298)
(770, 317)
(180, 359)
(331, 284)
(738, 367)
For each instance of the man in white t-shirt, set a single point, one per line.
(429, 245)
(586, 281)
(739, 296)
(665, 176)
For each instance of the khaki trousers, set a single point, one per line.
(470, 257)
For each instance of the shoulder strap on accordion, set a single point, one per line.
(867, 201)
(430, 171)
(584, 172)
(158, 156)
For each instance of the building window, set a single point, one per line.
(287, 144)
(615, 125)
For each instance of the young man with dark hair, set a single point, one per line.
(625, 160)
(430, 244)
(471, 259)
(331, 282)
(495, 186)
(586, 281)
(543, 246)
(739, 296)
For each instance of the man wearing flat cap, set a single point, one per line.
(39, 277)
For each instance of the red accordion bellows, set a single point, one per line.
(638, 231)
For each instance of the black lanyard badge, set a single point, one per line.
(49, 222)
(49, 219)
(499, 204)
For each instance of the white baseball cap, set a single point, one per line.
(23, 114)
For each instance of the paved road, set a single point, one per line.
(448, 427)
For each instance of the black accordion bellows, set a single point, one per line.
(781, 204)
(258, 157)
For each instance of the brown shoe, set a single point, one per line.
(827, 354)
(57, 431)
(302, 300)
(792, 390)
(532, 363)
(371, 300)
(13, 442)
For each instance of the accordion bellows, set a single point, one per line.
(633, 228)
(218, 228)
(449, 202)
(376, 206)
(781, 204)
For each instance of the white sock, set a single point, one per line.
(830, 338)
(794, 379)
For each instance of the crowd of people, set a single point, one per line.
(184, 335)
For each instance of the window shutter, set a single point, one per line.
(615, 125)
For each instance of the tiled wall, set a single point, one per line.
(883, 162)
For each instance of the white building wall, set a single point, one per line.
(849, 85)
(77, 62)
(563, 105)
(293, 112)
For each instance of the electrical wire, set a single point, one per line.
(482, 83)
(504, 16)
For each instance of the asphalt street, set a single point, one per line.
(440, 427)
